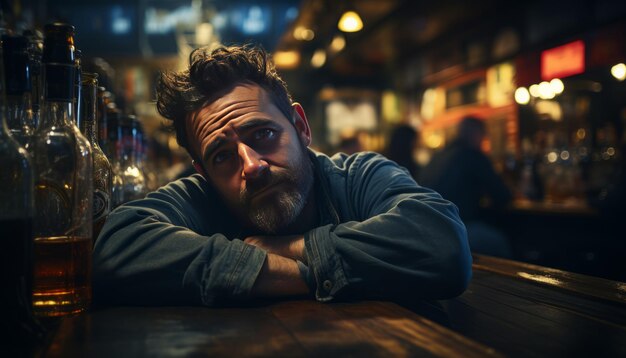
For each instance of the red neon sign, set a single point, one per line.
(563, 61)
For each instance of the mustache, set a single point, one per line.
(270, 179)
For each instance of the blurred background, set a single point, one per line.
(546, 78)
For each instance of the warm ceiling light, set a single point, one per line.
(522, 96)
(204, 33)
(350, 22)
(545, 91)
(619, 71)
(318, 59)
(534, 90)
(338, 43)
(304, 34)
(557, 86)
(286, 59)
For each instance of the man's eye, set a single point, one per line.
(221, 157)
(264, 133)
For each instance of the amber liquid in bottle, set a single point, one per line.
(63, 275)
(63, 188)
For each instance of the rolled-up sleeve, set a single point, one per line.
(395, 238)
(324, 263)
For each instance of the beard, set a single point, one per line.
(272, 213)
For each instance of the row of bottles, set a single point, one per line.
(60, 236)
(122, 139)
(69, 156)
(57, 185)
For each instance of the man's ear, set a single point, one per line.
(200, 169)
(301, 124)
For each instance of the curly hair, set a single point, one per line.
(210, 74)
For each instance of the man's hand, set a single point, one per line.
(291, 246)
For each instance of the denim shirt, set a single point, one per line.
(380, 235)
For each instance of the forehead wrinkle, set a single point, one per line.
(242, 102)
(210, 128)
(232, 111)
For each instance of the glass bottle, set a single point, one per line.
(21, 330)
(101, 112)
(18, 90)
(78, 95)
(132, 173)
(35, 51)
(102, 171)
(63, 187)
(112, 115)
(115, 150)
(143, 163)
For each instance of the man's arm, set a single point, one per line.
(393, 239)
(291, 246)
(397, 240)
(151, 251)
(279, 277)
(173, 247)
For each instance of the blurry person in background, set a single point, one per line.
(463, 174)
(401, 145)
(266, 216)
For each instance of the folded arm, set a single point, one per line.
(395, 239)
(165, 250)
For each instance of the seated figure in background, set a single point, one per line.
(463, 174)
(268, 217)
(401, 146)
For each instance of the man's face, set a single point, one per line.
(253, 156)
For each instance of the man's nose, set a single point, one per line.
(253, 165)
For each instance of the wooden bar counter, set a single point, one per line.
(284, 329)
(510, 309)
(525, 310)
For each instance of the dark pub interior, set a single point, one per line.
(313, 177)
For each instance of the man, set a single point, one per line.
(403, 140)
(267, 217)
(463, 174)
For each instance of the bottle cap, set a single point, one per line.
(58, 45)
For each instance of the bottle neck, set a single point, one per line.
(20, 112)
(88, 123)
(78, 96)
(37, 90)
(91, 132)
(127, 146)
(127, 150)
(58, 95)
(56, 114)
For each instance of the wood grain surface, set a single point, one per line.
(579, 284)
(510, 309)
(526, 310)
(286, 329)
